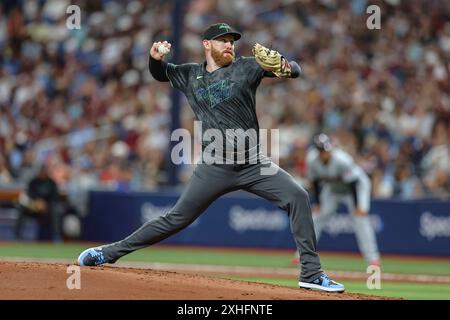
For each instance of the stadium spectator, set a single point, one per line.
(436, 162)
(5, 174)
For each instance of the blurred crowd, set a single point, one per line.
(83, 102)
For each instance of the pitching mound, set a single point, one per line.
(26, 280)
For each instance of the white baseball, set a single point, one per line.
(163, 49)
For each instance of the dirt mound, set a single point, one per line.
(30, 280)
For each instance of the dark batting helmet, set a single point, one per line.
(322, 142)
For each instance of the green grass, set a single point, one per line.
(229, 258)
(35, 250)
(214, 256)
(389, 264)
(155, 254)
(410, 291)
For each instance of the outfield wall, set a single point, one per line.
(239, 219)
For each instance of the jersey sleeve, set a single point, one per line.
(179, 75)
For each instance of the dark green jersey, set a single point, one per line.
(223, 99)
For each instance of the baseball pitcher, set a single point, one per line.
(221, 92)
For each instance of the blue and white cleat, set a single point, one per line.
(323, 283)
(91, 257)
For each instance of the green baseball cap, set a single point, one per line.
(220, 29)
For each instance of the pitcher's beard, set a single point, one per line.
(220, 59)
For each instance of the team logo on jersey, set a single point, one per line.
(216, 92)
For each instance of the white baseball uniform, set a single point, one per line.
(341, 180)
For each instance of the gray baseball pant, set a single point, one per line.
(365, 234)
(208, 183)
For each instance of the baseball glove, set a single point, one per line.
(272, 60)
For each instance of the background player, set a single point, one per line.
(221, 92)
(337, 179)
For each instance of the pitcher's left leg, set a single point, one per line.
(282, 190)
